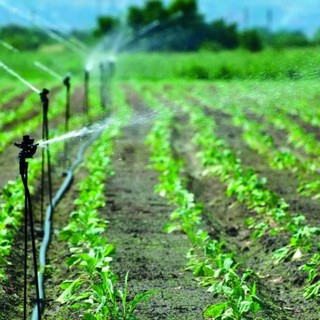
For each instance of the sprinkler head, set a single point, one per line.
(27, 146)
(66, 81)
(44, 95)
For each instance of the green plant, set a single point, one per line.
(312, 290)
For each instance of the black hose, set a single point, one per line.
(48, 219)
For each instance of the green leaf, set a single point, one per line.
(89, 316)
(170, 227)
(69, 288)
(140, 297)
(216, 310)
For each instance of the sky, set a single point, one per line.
(81, 14)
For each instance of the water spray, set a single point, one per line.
(16, 75)
(28, 149)
(48, 70)
(8, 46)
(107, 69)
(45, 152)
(149, 29)
(53, 35)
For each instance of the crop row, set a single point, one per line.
(208, 258)
(274, 218)
(219, 159)
(93, 289)
(257, 136)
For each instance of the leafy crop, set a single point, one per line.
(94, 290)
(215, 267)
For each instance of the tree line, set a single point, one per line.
(179, 26)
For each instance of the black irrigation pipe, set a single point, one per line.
(48, 219)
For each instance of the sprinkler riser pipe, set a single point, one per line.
(102, 85)
(67, 84)
(86, 91)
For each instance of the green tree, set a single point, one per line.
(316, 37)
(135, 17)
(224, 35)
(154, 10)
(251, 40)
(105, 25)
(187, 7)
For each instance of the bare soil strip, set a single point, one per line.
(154, 259)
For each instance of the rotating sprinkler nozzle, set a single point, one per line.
(28, 148)
(44, 98)
(27, 152)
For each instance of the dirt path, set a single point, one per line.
(155, 260)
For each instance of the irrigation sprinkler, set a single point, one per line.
(111, 66)
(45, 152)
(86, 90)
(28, 149)
(107, 69)
(67, 83)
(103, 98)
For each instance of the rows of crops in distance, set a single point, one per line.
(304, 234)
(291, 64)
(65, 61)
(208, 258)
(265, 122)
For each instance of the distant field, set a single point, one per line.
(291, 64)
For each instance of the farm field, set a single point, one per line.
(197, 198)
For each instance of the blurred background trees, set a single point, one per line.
(177, 26)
